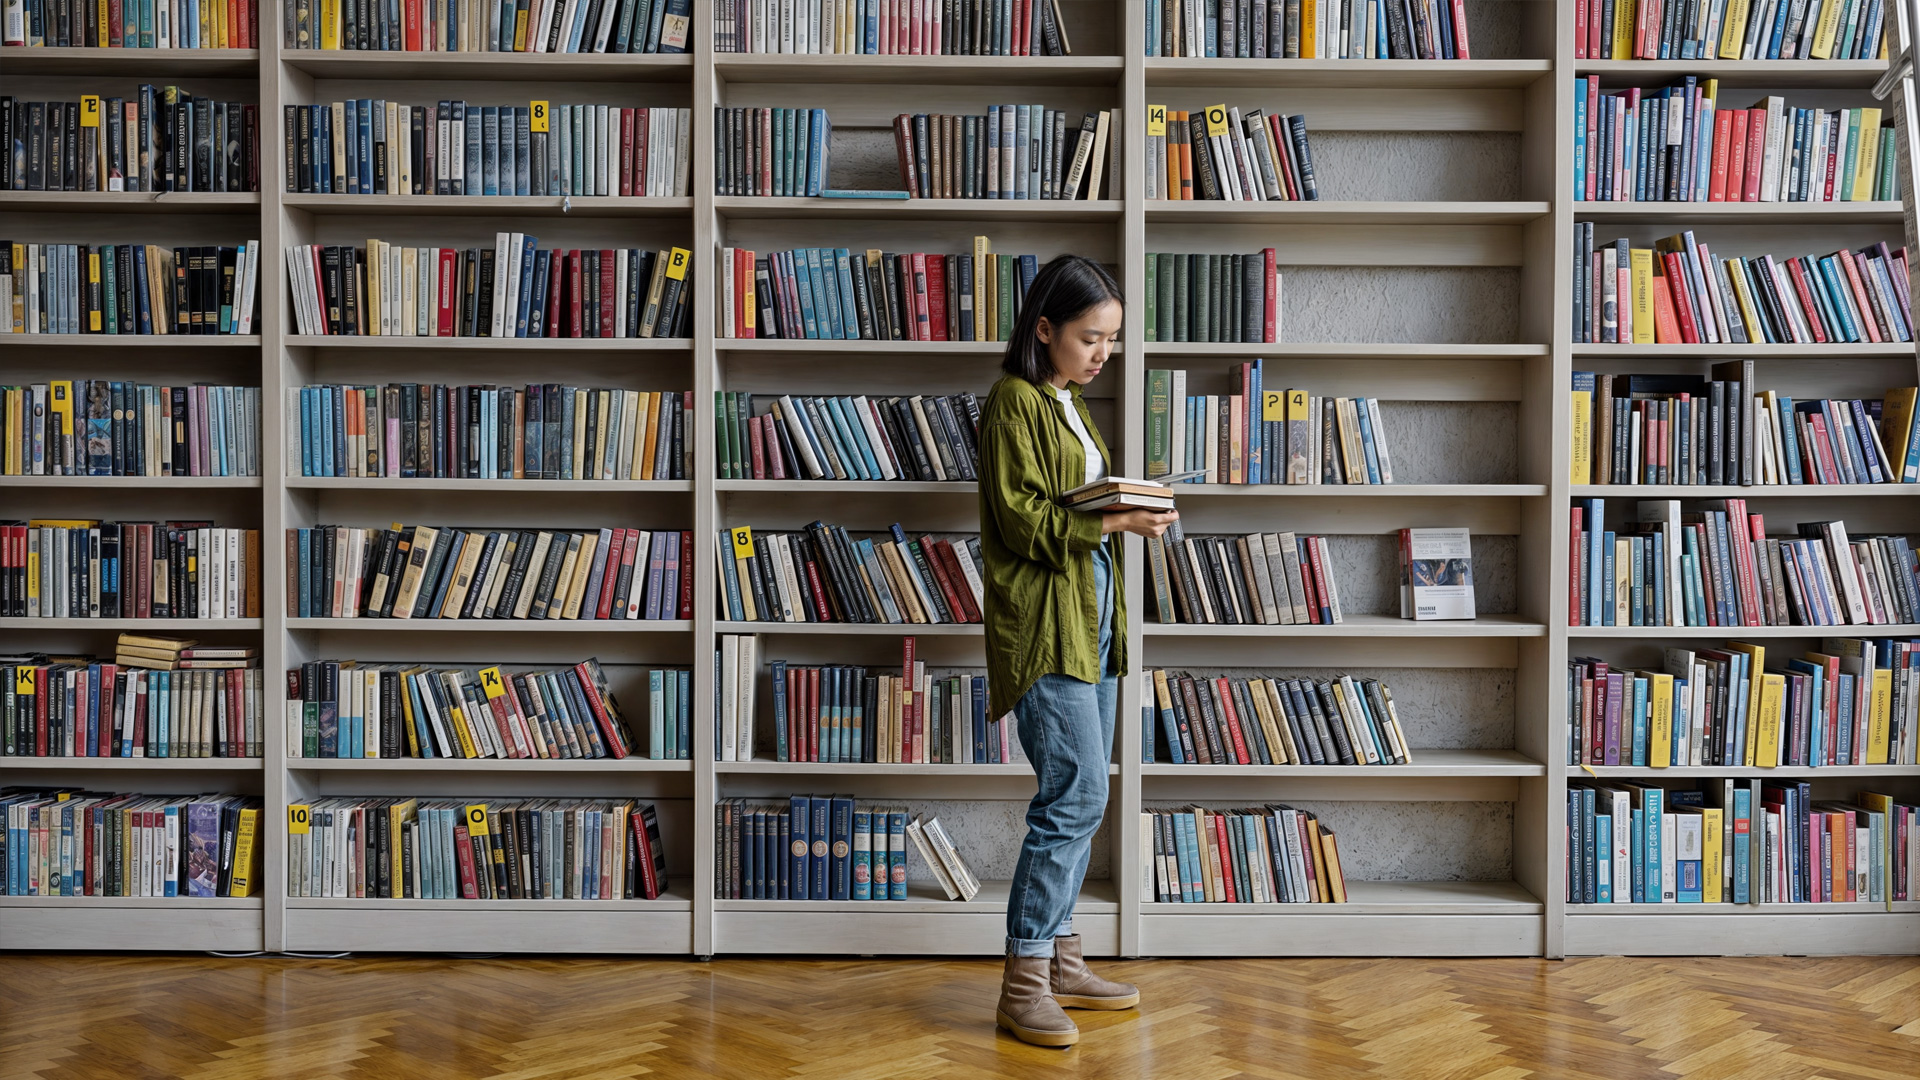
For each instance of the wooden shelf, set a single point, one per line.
(1425, 763)
(1722, 491)
(130, 341)
(789, 208)
(629, 764)
(510, 626)
(861, 347)
(982, 71)
(519, 206)
(728, 626)
(1896, 350)
(1746, 772)
(488, 344)
(1168, 71)
(1364, 491)
(144, 203)
(165, 924)
(1785, 74)
(205, 63)
(1743, 213)
(925, 898)
(1770, 929)
(1895, 630)
(1385, 898)
(447, 483)
(1346, 350)
(770, 767)
(126, 764)
(1327, 212)
(1496, 626)
(849, 487)
(136, 483)
(489, 926)
(493, 66)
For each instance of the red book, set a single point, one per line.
(757, 449)
(1823, 448)
(463, 856)
(249, 25)
(1736, 154)
(1282, 140)
(140, 689)
(1460, 30)
(1322, 611)
(609, 731)
(603, 609)
(637, 160)
(1576, 566)
(1682, 306)
(902, 146)
(40, 712)
(649, 884)
(556, 275)
(607, 275)
(1230, 719)
(812, 734)
(776, 467)
(1226, 855)
(1312, 598)
(1862, 305)
(1756, 153)
(626, 151)
(934, 268)
(1808, 306)
(1580, 28)
(685, 610)
(412, 16)
(1272, 326)
(1722, 136)
(908, 644)
(115, 13)
(922, 303)
(959, 578)
(574, 294)
(942, 581)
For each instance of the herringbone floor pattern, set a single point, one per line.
(112, 1018)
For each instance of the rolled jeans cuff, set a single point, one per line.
(1029, 947)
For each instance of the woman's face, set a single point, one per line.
(1079, 349)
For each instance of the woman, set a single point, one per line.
(1055, 628)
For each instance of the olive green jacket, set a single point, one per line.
(1042, 615)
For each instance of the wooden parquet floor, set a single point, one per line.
(195, 1018)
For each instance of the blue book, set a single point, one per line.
(1636, 855)
(1655, 810)
(1843, 726)
(779, 710)
(826, 275)
(1639, 748)
(800, 147)
(818, 824)
(1831, 275)
(862, 872)
(849, 309)
(897, 855)
(977, 697)
(1603, 866)
(862, 193)
(474, 182)
(1037, 136)
(803, 283)
(854, 434)
(822, 139)
(840, 863)
(528, 258)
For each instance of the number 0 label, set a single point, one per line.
(1216, 120)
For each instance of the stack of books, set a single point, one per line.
(1011, 152)
(156, 653)
(1224, 720)
(364, 709)
(128, 288)
(801, 437)
(1729, 30)
(162, 139)
(370, 146)
(824, 574)
(954, 28)
(103, 427)
(1677, 293)
(1207, 297)
(1329, 30)
(1272, 854)
(422, 572)
(771, 151)
(1273, 579)
(513, 289)
(542, 431)
(547, 26)
(85, 569)
(938, 852)
(1216, 153)
(1771, 152)
(811, 847)
(1119, 493)
(353, 846)
(872, 295)
(74, 842)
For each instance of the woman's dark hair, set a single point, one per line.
(1063, 290)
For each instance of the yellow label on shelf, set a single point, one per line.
(1273, 406)
(1156, 120)
(298, 820)
(536, 116)
(1216, 120)
(492, 683)
(677, 263)
(90, 110)
(743, 542)
(477, 820)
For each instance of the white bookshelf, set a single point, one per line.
(1523, 232)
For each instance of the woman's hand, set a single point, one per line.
(1150, 523)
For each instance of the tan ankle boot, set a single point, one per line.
(1075, 987)
(1027, 1009)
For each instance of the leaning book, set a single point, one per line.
(1436, 574)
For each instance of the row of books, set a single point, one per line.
(893, 28)
(1717, 567)
(1737, 842)
(1259, 436)
(1225, 720)
(923, 437)
(408, 848)
(1729, 30)
(424, 572)
(875, 295)
(106, 427)
(369, 146)
(1216, 153)
(1328, 30)
(839, 713)
(513, 289)
(823, 574)
(1852, 702)
(73, 707)
(1268, 579)
(1011, 152)
(128, 288)
(771, 151)
(88, 569)
(1272, 854)
(549, 26)
(136, 24)
(827, 847)
(1677, 292)
(543, 431)
(161, 140)
(75, 842)
(1209, 297)
(1687, 430)
(361, 709)
(1677, 145)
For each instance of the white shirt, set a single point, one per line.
(1080, 430)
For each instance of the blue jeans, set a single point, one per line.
(1066, 727)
